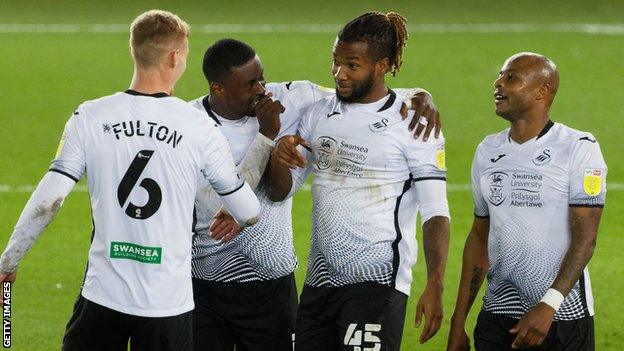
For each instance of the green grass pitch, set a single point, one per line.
(44, 76)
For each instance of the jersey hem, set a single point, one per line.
(139, 311)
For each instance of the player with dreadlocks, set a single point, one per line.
(371, 178)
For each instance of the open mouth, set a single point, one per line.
(499, 97)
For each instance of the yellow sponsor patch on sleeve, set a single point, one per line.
(441, 158)
(59, 149)
(592, 181)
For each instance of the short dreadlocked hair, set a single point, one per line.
(386, 35)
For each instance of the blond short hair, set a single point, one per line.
(155, 33)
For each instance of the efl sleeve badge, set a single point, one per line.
(441, 158)
(592, 181)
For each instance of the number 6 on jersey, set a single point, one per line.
(128, 182)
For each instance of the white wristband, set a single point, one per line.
(553, 298)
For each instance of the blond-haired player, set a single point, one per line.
(145, 152)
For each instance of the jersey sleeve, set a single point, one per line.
(480, 206)
(43, 205)
(70, 156)
(303, 92)
(426, 160)
(588, 174)
(408, 93)
(218, 166)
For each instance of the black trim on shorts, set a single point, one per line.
(206, 104)
(482, 217)
(586, 205)
(429, 178)
(233, 191)
(390, 101)
(64, 173)
(395, 244)
(138, 93)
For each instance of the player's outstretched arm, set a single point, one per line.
(436, 242)
(284, 157)
(41, 208)
(474, 269)
(219, 170)
(534, 325)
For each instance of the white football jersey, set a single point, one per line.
(265, 250)
(144, 155)
(526, 191)
(368, 168)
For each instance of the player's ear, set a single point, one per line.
(216, 88)
(172, 59)
(382, 66)
(543, 91)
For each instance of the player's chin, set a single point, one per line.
(344, 92)
(503, 113)
(344, 95)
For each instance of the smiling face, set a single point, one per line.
(243, 88)
(526, 82)
(355, 71)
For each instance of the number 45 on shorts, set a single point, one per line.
(370, 342)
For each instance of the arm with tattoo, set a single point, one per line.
(584, 222)
(474, 267)
(436, 244)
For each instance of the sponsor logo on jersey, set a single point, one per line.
(542, 157)
(135, 252)
(107, 128)
(497, 180)
(380, 126)
(325, 151)
(592, 181)
(333, 113)
(586, 138)
(498, 158)
(522, 188)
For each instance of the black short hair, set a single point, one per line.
(223, 56)
(386, 35)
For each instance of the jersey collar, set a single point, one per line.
(543, 132)
(545, 129)
(337, 108)
(206, 103)
(138, 93)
